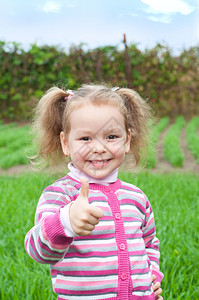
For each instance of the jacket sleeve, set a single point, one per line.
(47, 242)
(151, 241)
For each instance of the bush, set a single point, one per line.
(170, 83)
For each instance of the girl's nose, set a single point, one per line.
(99, 147)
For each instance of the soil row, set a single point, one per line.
(162, 165)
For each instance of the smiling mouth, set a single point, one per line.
(99, 163)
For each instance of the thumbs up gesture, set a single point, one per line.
(84, 216)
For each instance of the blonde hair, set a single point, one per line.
(52, 115)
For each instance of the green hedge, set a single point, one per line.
(170, 83)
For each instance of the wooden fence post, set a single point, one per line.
(128, 69)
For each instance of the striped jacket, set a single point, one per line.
(116, 261)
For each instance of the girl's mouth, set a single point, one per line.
(99, 162)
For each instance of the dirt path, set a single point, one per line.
(164, 166)
(16, 170)
(189, 162)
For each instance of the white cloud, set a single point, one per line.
(166, 19)
(51, 7)
(168, 6)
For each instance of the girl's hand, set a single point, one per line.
(84, 216)
(157, 289)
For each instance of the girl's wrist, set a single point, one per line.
(65, 220)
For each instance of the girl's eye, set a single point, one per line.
(112, 137)
(85, 138)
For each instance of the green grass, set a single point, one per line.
(14, 141)
(153, 140)
(6, 126)
(192, 136)
(21, 278)
(175, 202)
(171, 143)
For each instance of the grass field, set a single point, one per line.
(14, 141)
(192, 137)
(174, 198)
(171, 143)
(175, 202)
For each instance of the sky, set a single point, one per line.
(97, 23)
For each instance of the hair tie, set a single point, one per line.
(71, 93)
(115, 88)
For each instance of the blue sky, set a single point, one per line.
(101, 22)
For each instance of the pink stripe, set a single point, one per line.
(93, 198)
(36, 256)
(138, 262)
(105, 209)
(53, 189)
(85, 246)
(150, 232)
(154, 259)
(131, 189)
(147, 240)
(69, 292)
(54, 202)
(107, 218)
(91, 263)
(95, 237)
(86, 283)
(141, 252)
(137, 235)
(135, 245)
(105, 228)
(90, 254)
(133, 218)
(135, 271)
(89, 273)
(142, 288)
(149, 297)
(132, 227)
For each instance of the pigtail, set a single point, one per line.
(47, 126)
(138, 121)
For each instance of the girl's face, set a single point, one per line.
(97, 141)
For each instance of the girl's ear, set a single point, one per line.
(128, 142)
(64, 144)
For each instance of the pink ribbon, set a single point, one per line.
(71, 92)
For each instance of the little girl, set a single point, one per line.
(96, 232)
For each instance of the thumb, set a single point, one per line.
(84, 191)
